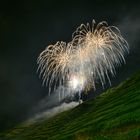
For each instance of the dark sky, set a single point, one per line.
(27, 27)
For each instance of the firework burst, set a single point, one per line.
(92, 55)
(54, 64)
(101, 47)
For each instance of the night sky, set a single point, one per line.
(27, 27)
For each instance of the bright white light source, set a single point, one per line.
(74, 83)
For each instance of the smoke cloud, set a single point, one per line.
(53, 111)
(59, 101)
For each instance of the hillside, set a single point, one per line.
(114, 114)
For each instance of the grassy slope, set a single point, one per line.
(113, 115)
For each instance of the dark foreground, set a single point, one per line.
(113, 115)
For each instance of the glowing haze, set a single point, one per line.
(92, 56)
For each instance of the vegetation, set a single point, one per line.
(114, 114)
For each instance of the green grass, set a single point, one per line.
(114, 114)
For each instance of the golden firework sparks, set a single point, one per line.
(94, 52)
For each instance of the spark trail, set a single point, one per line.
(92, 56)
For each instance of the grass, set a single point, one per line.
(114, 115)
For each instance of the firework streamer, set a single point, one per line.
(92, 56)
(54, 64)
(103, 49)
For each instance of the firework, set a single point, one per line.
(92, 56)
(101, 47)
(55, 64)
